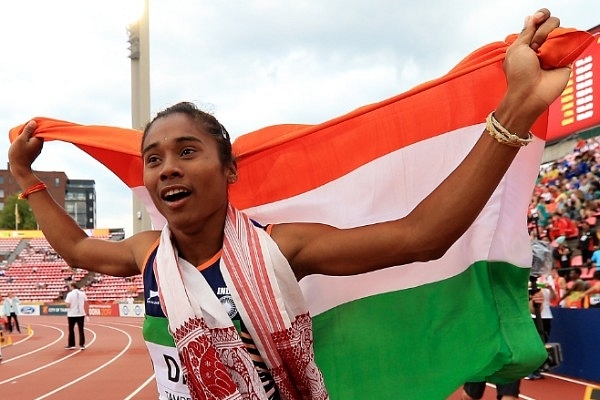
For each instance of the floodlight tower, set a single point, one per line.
(139, 47)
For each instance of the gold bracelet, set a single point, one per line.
(502, 135)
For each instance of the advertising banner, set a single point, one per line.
(53, 309)
(103, 310)
(29, 309)
(131, 310)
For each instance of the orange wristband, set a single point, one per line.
(32, 189)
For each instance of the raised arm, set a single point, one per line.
(444, 214)
(64, 235)
(595, 288)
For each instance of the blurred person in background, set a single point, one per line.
(593, 292)
(76, 302)
(562, 253)
(11, 310)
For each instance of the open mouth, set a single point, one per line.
(175, 194)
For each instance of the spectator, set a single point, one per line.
(559, 284)
(593, 292)
(540, 214)
(575, 289)
(546, 195)
(589, 212)
(541, 314)
(595, 259)
(588, 242)
(562, 226)
(562, 253)
(76, 301)
(574, 204)
(11, 310)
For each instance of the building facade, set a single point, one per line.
(80, 202)
(76, 196)
(55, 181)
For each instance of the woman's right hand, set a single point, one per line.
(22, 153)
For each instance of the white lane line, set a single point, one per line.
(62, 334)
(551, 375)
(522, 396)
(564, 378)
(46, 365)
(129, 324)
(152, 377)
(139, 389)
(95, 370)
(26, 338)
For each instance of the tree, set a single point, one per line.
(17, 210)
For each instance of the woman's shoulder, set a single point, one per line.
(143, 239)
(142, 244)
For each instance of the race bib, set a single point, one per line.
(169, 375)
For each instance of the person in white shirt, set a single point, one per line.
(76, 301)
(11, 310)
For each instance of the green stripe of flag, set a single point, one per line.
(370, 347)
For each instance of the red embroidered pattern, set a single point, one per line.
(214, 361)
(298, 377)
(288, 351)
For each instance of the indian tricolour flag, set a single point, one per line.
(415, 331)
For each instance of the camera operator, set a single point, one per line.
(540, 297)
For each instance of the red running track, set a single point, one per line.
(116, 365)
(551, 387)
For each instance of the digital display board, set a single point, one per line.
(577, 108)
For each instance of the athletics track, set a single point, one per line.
(115, 365)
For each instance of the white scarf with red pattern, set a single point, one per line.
(268, 298)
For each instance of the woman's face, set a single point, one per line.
(183, 172)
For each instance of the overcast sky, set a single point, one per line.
(251, 63)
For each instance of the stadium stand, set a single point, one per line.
(32, 270)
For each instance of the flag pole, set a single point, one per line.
(17, 216)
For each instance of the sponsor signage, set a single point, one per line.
(29, 309)
(131, 310)
(53, 309)
(103, 310)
